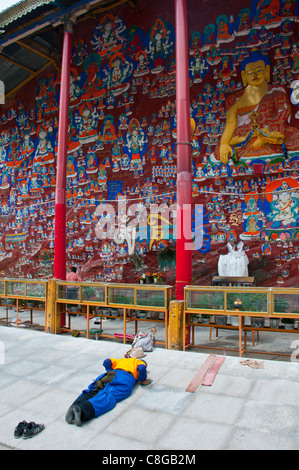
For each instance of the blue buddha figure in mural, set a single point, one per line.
(5, 180)
(257, 117)
(284, 208)
(71, 170)
(209, 34)
(252, 217)
(91, 161)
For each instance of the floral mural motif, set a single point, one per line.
(122, 143)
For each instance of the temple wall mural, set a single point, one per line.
(244, 97)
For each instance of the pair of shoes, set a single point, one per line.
(19, 430)
(27, 430)
(32, 429)
(74, 415)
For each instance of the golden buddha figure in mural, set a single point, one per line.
(256, 118)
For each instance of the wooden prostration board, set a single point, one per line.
(206, 373)
(212, 372)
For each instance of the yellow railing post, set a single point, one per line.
(176, 336)
(50, 308)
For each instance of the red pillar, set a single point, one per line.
(60, 196)
(184, 169)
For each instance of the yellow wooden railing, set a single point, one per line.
(25, 295)
(237, 302)
(130, 298)
(92, 300)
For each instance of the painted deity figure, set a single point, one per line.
(160, 44)
(252, 217)
(75, 87)
(223, 28)
(27, 146)
(141, 67)
(91, 162)
(108, 36)
(244, 20)
(267, 11)
(109, 129)
(88, 123)
(93, 88)
(198, 67)
(284, 208)
(44, 153)
(79, 52)
(71, 167)
(288, 8)
(256, 120)
(22, 119)
(118, 72)
(136, 143)
(5, 180)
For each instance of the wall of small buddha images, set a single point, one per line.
(122, 142)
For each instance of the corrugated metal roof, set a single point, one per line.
(24, 57)
(12, 75)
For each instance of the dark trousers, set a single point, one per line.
(86, 407)
(88, 411)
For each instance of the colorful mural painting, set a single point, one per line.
(244, 95)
